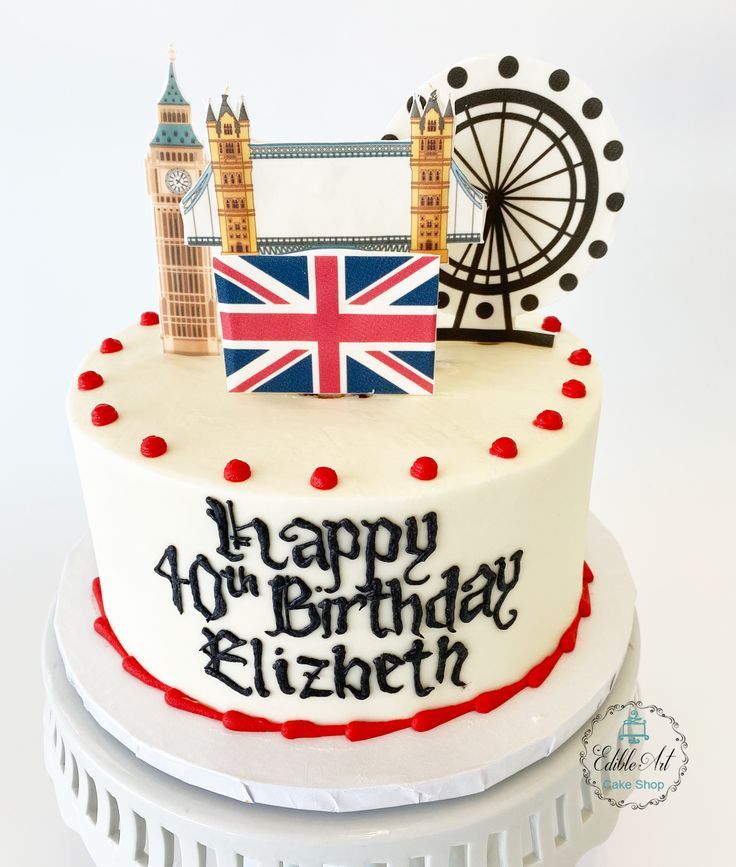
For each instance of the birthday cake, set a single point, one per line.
(348, 528)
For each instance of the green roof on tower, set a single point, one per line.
(179, 134)
(172, 94)
(173, 128)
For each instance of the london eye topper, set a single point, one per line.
(545, 154)
(353, 308)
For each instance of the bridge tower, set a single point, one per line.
(175, 160)
(232, 167)
(431, 160)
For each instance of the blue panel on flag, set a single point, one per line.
(235, 359)
(362, 380)
(297, 379)
(291, 270)
(424, 294)
(361, 271)
(229, 294)
(359, 324)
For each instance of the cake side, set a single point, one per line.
(379, 598)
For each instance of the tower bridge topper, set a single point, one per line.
(327, 279)
(386, 195)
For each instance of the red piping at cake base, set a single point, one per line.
(358, 730)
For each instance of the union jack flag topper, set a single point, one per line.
(328, 323)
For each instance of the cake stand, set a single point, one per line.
(129, 814)
(525, 807)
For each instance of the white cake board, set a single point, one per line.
(462, 757)
(129, 814)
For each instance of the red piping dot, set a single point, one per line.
(103, 414)
(236, 471)
(581, 357)
(323, 478)
(149, 318)
(504, 447)
(89, 380)
(548, 419)
(153, 447)
(574, 388)
(424, 469)
(110, 344)
(551, 323)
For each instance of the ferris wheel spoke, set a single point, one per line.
(500, 146)
(503, 271)
(510, 240)
(541, 199)
(538, 159)
(489, 244)
(480, 150)
(474, 265)
(547, 177)
(516, 159)
(534, 242)
(539, 219)
(472, 273)
(463, 258)
(483, 185)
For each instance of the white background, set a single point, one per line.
(79, 84)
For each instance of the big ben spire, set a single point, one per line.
(172, 94)
(175, 161)
(174, 114)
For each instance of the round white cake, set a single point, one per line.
(390, 592)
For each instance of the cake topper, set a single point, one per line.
(329, 322)
(390, 196)
(175, 161)
(512, 183)
(546, 157)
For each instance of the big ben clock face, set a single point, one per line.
(178, 181)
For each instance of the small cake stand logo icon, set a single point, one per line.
(634, 729)
(633, 755)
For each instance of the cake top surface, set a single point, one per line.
(483, 394)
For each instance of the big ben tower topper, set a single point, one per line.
(175, 161)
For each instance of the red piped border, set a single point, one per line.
(358, 730)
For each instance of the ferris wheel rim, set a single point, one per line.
(573, 131)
